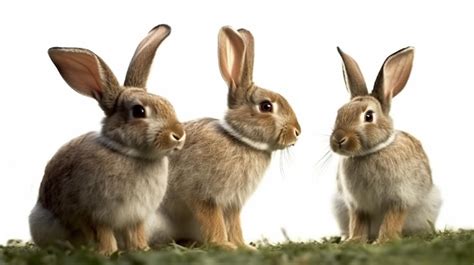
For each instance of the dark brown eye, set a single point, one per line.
(266, 106)
(138, 111)
(369, 116)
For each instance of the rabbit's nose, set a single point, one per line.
(179, 141)
(296, 132)
(341, 141)
(177, 136)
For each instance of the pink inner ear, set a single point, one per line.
(80, 70)
(231, 55)
(397, 70)
(399, 80)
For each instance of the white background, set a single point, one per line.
(295, 56)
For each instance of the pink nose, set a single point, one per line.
(296, 132)
(176, 137)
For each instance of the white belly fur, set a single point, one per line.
(137, 204)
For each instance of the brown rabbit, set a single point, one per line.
(223, 161)
(384, 179)
(102, 185)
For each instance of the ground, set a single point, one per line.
(445, 248)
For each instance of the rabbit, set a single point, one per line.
(223, 161)
(105, 184)
(384, 184)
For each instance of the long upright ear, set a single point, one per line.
(139, 68)
(393, 76)
(88, 74)
(247, 74)
(355, 82)
(231, 53)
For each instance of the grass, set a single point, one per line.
(445, 248)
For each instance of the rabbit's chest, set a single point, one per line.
(364, 186)
(242, 186)
(238, 184)
(137, 198)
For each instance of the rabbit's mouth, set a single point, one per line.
(179, 144)
(288, 137)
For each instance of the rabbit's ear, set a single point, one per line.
(353, 77)
(139, 68)
(86, 73)
(247, 74)
(231, 53)
(393, 76)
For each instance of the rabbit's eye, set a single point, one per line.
(266, 106)
(138, 111)
(369, 116)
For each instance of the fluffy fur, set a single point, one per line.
(222, 162)
(384, 184)
(100, 186)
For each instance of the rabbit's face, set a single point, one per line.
(144, 122)
(265, 116)
(360, 126)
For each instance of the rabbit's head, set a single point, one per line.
(260, 117)
(363, 125)
(136, 122)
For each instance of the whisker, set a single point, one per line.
(282, 164)
(324, 157)
(285, 160)
(287, 155)
(323, 162)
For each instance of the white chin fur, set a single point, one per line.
(45, 228)
(380, 146)
(254, 144)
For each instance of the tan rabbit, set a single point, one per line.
(384, 182)
(223, 161)
(102, 185)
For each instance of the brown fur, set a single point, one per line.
(106, 242)
(135, 237)
(102, 185)
(234, 229)
(358, 226)
(392, 225)
(384, 179)
(221, 164)
(211, 218)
